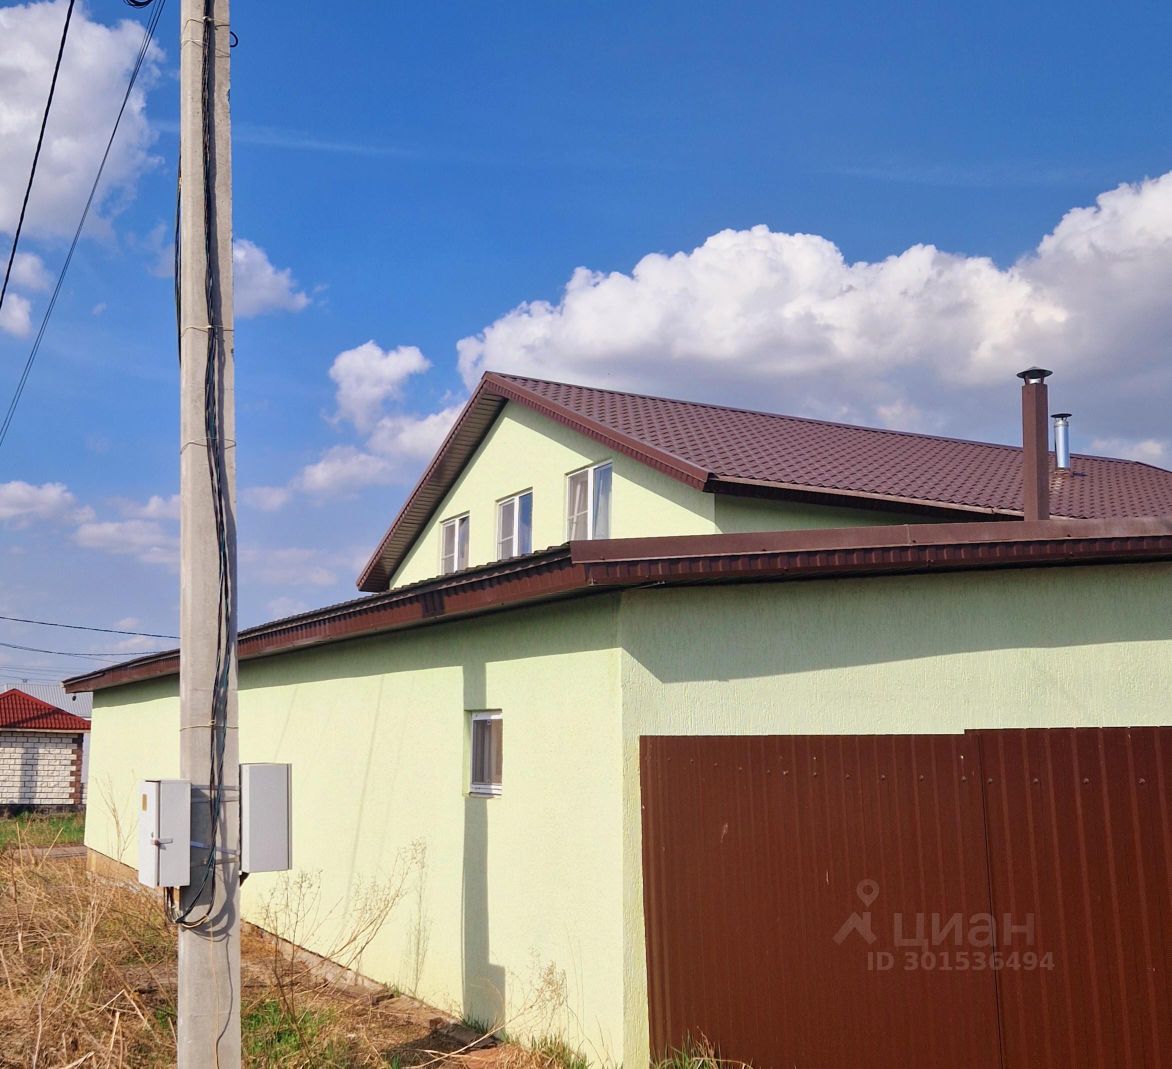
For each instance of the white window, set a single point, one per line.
(486, 754)
(514, 526)
(454, 544)
(588, 503)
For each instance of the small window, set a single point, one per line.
(454, 544)
(486, 754)
(514, 528)
(588, 503)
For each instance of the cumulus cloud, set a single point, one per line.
(93, 79)
(367, 376)
(266, 498)
(29, 272)
(155, 508)
(24, 503)
(146, 540)
(285, 606)
(288, 566)
(369, 385)
(16, 315)
(1149, 450)
(258, 286)
(784, 321)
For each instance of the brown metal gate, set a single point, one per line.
(998, 899)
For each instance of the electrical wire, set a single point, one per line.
(148, 37)
(215, 367)
(36, 153)
(63, 653)
(82, 627)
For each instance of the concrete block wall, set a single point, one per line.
(40, 768)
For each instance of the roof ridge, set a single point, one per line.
(521, 379)
(32, 698)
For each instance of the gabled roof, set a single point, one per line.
(585, 569)
(736, 451)
(23, 712)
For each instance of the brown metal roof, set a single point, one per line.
(583, 568)
(735, 451)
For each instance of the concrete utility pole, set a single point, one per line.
(209, 938)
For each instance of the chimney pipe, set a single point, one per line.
(1035, 443)
(1062, 441)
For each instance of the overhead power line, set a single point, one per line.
(36, 153)
(148, 37)
(82, 627)
(75, 653)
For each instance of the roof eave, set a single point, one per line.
(471, 427)
(584, 568)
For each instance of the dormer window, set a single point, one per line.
(514, 526)
(588, 503)
(454, 544)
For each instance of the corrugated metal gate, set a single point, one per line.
(997, 899)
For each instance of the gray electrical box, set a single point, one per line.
(164, 833)
(265, 818)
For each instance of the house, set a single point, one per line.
(41, 753)
(579, 573)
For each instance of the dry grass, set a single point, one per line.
(87, 978)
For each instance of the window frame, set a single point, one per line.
(461, 522)
(590, 471)
(516, 534)
(484, 790)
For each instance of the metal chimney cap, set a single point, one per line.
(1062, 415)
(1034, 374)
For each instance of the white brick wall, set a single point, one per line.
(36, 768)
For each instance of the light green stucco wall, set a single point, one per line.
(551, 872)
(735, 515)
(525, 450)
(1066, 647)
(516, 894)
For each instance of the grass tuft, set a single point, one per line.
(42, 829)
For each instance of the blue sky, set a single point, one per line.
(866, 214)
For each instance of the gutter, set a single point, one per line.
(582, 568)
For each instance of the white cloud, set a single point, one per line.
(29, 272)
(343, 469)
(924, 338)
(283, 606)
(146, 540)
(128, 623)
(92, 82)
(394, 452)
(23, 503)
(393, 443)
(258, 286)
(266, 498)
(133, 644)
(16, 315)
(367, 377)
(288, 566)
(1149, 450)
(156, 508)
(407, 438)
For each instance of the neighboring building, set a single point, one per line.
(41, 754)
(475, 722)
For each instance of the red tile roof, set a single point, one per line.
(23, 712)
(731, 450)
